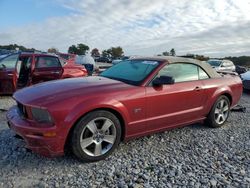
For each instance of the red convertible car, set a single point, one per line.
(136, 97)
(24, 69)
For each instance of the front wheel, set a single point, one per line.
(219, 112)
(95, 136)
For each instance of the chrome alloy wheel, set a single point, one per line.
(98, 136)
(221, 111)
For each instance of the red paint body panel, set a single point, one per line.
(7, 86)
(73, 70)
(144, 109)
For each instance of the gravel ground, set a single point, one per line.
(194, 156)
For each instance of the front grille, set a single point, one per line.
(22, 110)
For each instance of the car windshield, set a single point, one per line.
(9, 61)
(132, 72)
(214, 63)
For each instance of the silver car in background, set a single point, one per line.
(222, 65)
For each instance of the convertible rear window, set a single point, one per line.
(131, 71)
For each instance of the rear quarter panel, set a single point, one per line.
(227, 85)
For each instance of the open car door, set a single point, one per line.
(46, 68)
(8, 74)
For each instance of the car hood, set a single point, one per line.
(52, 91)
(246, 75)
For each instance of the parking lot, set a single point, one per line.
(195, 156)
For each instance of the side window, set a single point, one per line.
(44, 62)
(181, 72)
(202, 74)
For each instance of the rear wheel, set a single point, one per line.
(95, 136)
(219, 112)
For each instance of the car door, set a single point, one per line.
(46, 68)
(178, 103)
(7, 74)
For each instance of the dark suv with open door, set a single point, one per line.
(24, 69)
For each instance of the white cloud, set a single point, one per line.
(211, 27)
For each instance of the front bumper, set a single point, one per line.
(33, 135)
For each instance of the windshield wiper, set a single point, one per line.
(3, 65)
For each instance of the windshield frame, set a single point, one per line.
(131, 82)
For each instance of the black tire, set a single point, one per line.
(81, 129)
(212, 118)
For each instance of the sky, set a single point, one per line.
(215, 28)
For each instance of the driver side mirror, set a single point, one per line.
(163, 80)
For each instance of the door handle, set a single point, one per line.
(10, 74)
(55, 72)
(197, 88)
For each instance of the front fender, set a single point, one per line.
(96, 103)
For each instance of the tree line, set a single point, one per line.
(82, 49)
(79, 49)
(16, 47)
(115, 52)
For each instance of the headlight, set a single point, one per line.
(41, 115)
